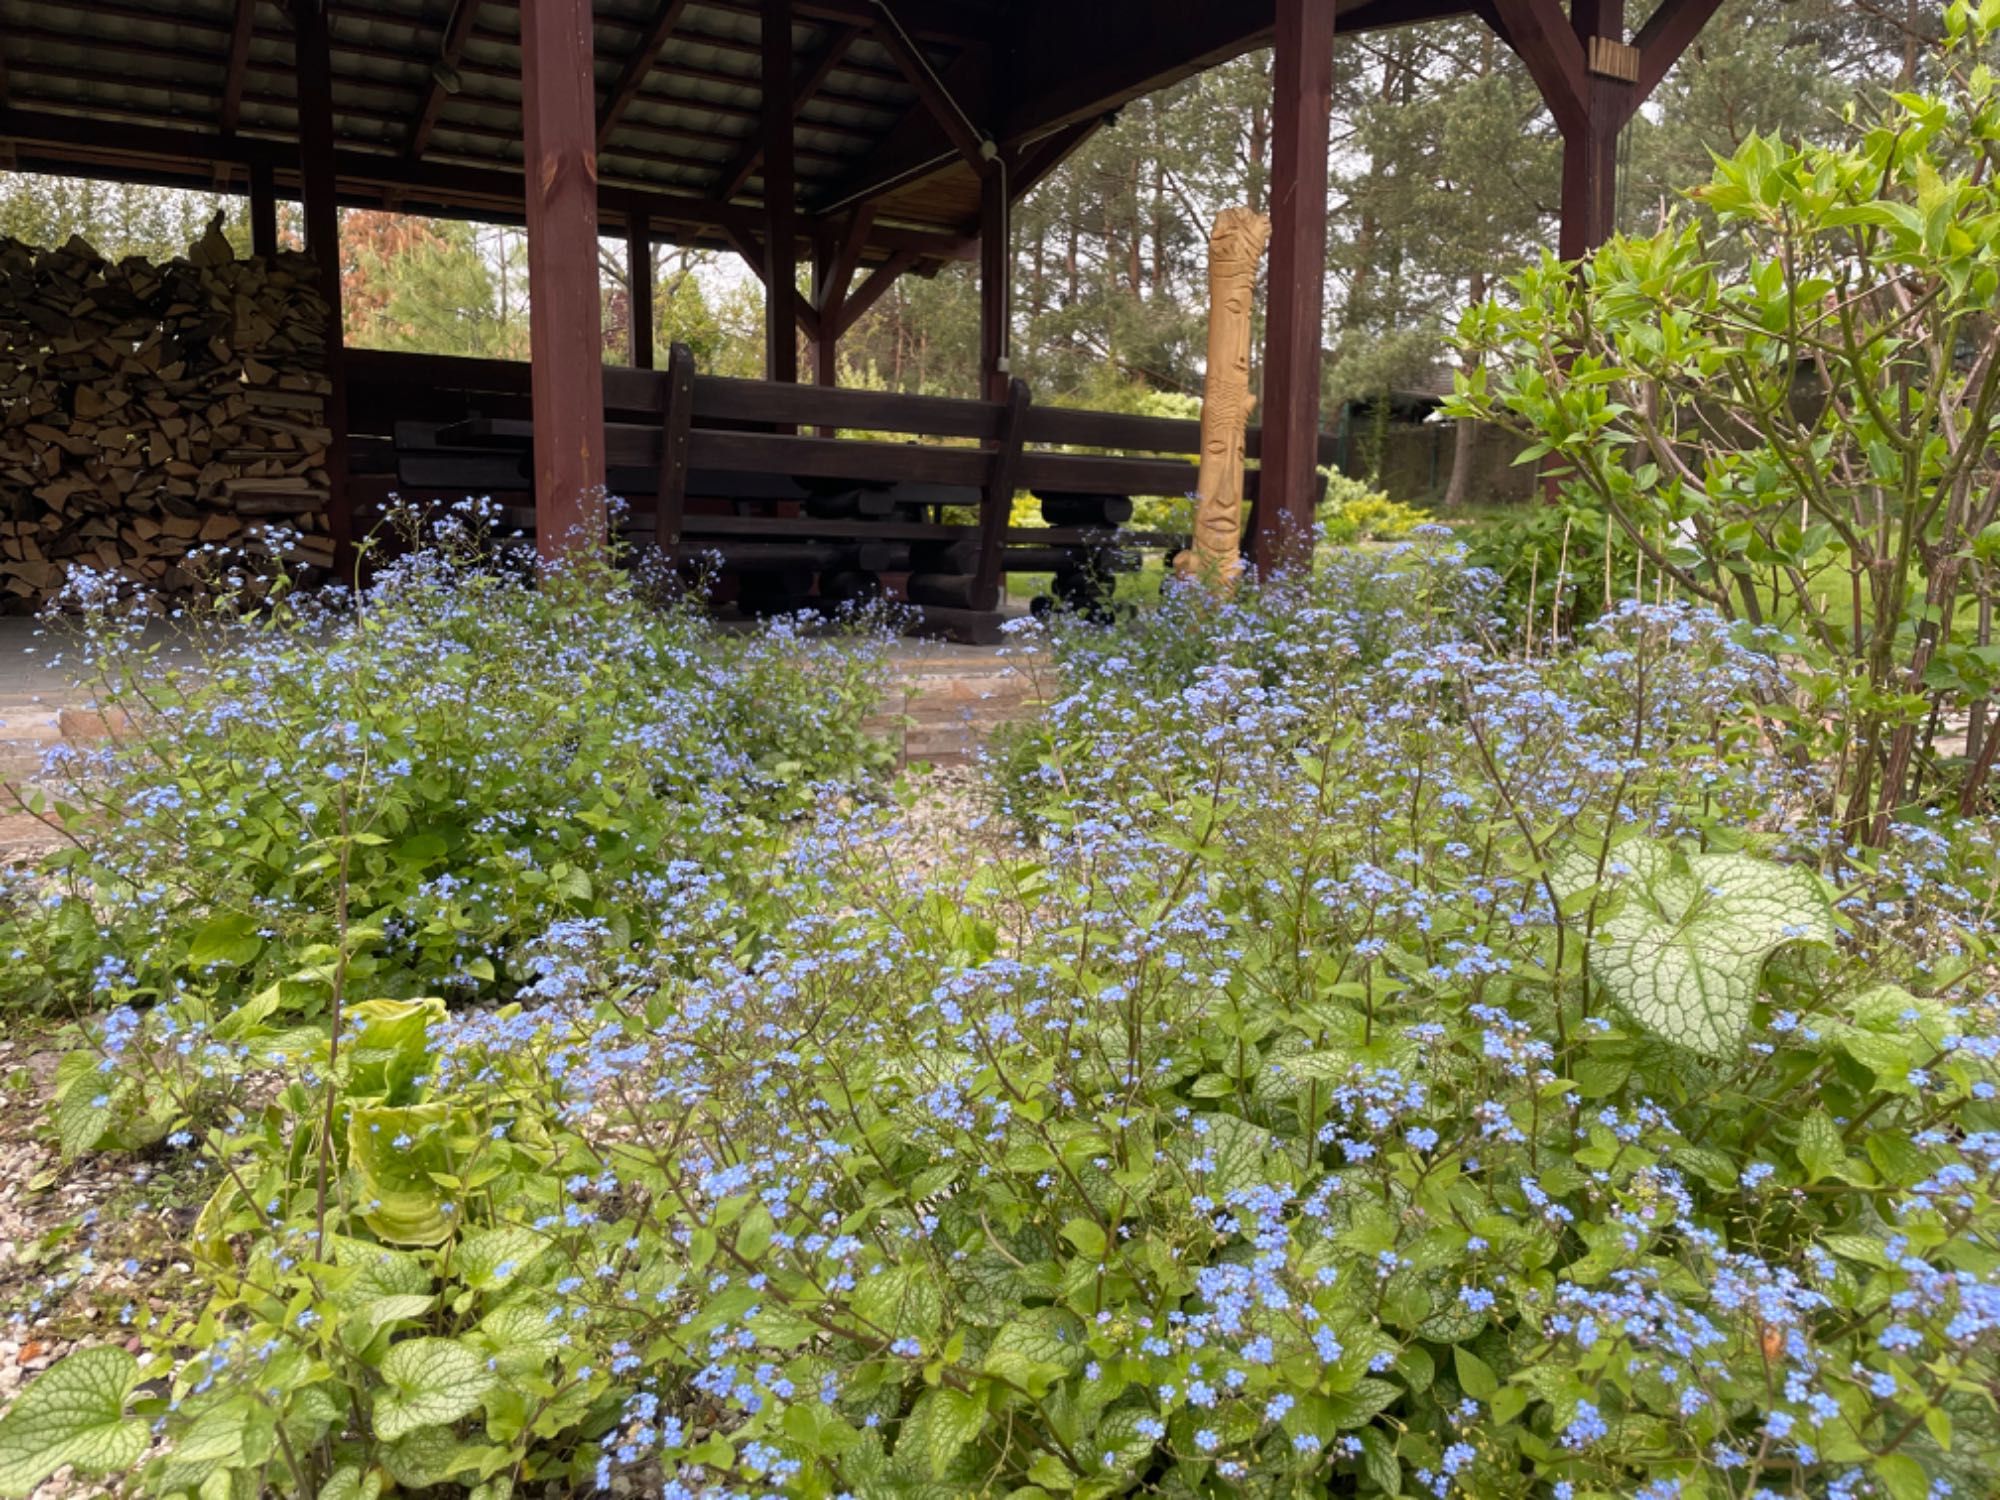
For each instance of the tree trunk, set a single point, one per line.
(1466, 435)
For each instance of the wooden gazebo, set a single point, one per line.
(898, 136)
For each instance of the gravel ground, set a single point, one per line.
(87, 1249)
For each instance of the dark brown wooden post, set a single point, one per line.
(1590, 145)
(996, 503)
(676, 418)
(313, 65)
(263, 210)
(639, 281)
(781, 249)
(565, 309)
(1302, 109)
(996, 284)
(826, 343)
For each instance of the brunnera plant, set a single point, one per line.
(417, 779)
(1398, 1070)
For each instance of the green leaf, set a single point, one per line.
(1031, 1351)
(392, 1182)
(1474, 1374)
(1358, 1407)
(1684, 952)
(81, 1122)
(346, 1483)
(944, 1422)
(431, 1382)
(1233, 1152)
(387, 1047)
(1902, 1476)
(1378, 1461)
(427, 1457)
(73, 1414)
(369, 1317)
(1821, 1151)
(494, 1257)
(902, 1300)
(520, 1336)
(1086, 1236)
(230, 938)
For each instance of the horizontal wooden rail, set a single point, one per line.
(391, 386)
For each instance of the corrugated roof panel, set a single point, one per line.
(720, 21)
(447, 139)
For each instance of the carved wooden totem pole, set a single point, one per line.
(1235, 246)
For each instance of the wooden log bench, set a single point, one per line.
(748, 471)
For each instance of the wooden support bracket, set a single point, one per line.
(1613, 59)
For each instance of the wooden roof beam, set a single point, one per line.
(944, 106)
(1541, 34)
(918, 144)
(927, 20)
(1035, 161)
(451, 48)
(1383, 15)
(637, 66)
(733, 176)
(1115, 50)
(844, 261)
(750, 249)
(239, 64)
(1668, 32)
(164, 153)
(870, 291)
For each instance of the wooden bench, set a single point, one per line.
(737, 468)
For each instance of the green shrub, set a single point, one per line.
(1352, 512)
(1787, 408)
(419, 783)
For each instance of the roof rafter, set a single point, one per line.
(870, 291)
(736, 173)
(239, 64)
(927, 20)
(841, 264)
(451, 47)
(637, 66)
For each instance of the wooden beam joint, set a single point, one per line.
(1613, 59)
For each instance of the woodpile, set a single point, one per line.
(152, 411)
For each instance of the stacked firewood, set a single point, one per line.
(148, 412)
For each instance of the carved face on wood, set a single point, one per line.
(1236, 244)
